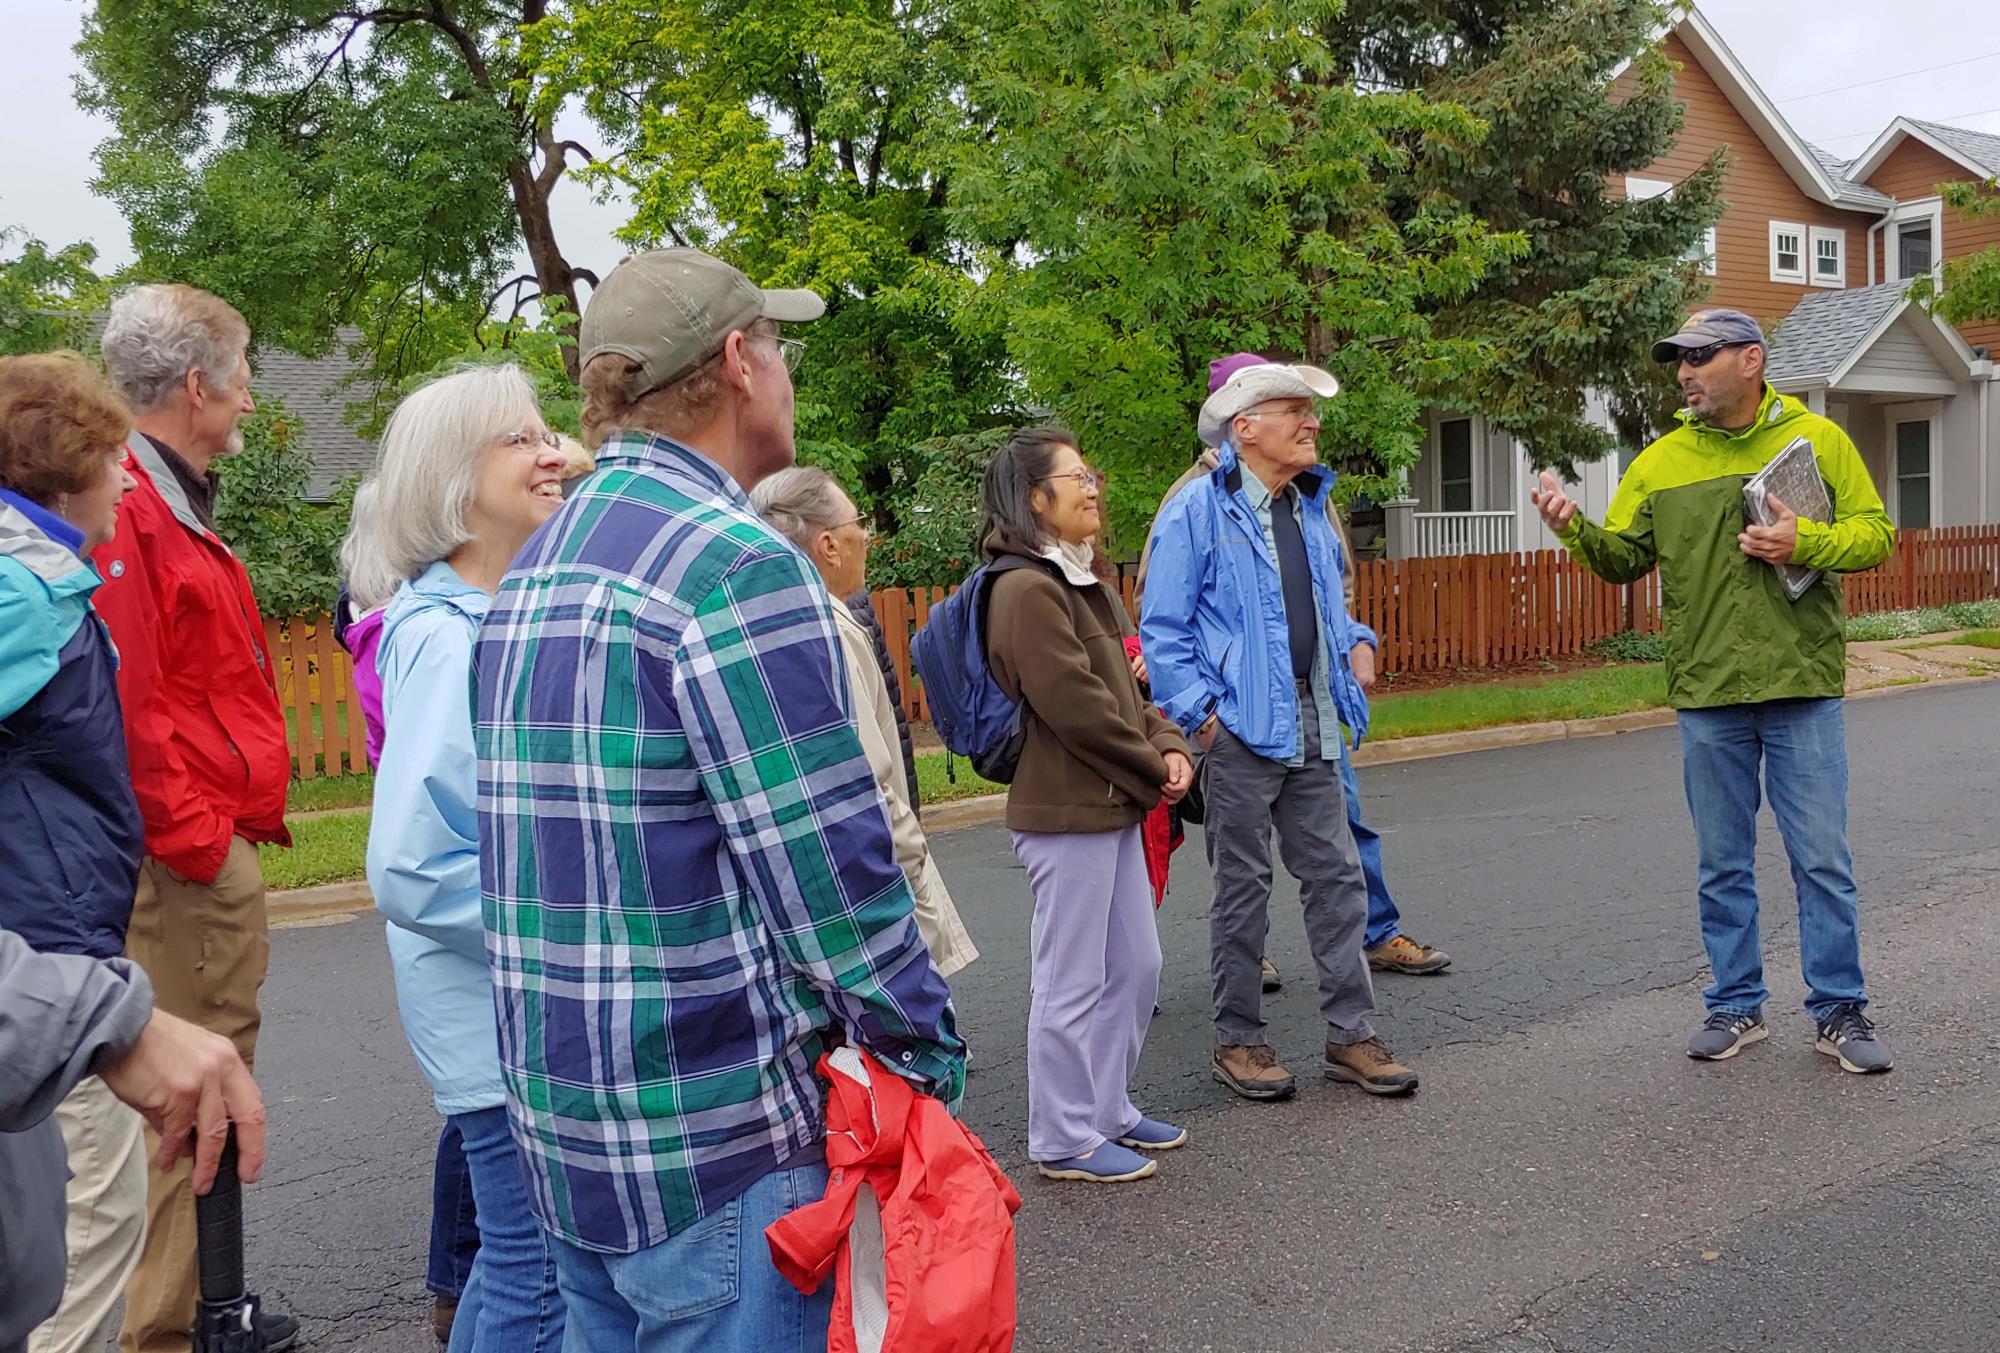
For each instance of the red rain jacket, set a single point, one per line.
(917, 1223)
(203, 726)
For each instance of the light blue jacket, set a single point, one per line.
(1213, 623)
(423, 840)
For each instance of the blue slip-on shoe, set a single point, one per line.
(1108, 1164)
(1153, 1135)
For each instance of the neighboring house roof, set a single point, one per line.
(1828, 332)
(1806, 165)
(317, 391)
(1825, 329)
(1977, 151)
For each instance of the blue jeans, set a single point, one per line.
(511, 1303)
(1803, 747)
(1384, 921)
(711, 1288)
(454, 1217)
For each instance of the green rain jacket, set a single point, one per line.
(1733, 637)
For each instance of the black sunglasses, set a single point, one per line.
(1701, 357)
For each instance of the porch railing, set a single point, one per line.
(1441, 535)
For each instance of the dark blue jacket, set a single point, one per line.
(70, 835)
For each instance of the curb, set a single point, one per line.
(302, 904)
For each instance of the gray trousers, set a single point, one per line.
(1244, 794)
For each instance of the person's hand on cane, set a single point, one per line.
(188, 1082)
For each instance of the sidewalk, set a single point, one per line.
(1874, 667)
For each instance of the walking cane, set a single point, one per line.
(226, 1321)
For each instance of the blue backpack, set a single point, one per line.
(970, 712)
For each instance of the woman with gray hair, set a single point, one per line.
(805, 505)
(466, 472)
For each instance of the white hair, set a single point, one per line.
(157, 333)
(410, 511)
(800, 502)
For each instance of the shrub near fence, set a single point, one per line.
(1434, 615)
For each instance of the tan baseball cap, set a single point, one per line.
(670, 310)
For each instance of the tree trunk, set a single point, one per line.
(554, 277)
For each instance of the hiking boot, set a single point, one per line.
(1272, 982)
(1848, 1036)
(1400, 953)
(444, 1310)
(1253, 1072)
(1108, 1164)
(1153, 1135)
(1370, 1065)
(280, 1331)
(1725, 1033)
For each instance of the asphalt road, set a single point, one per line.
(1565, 1179)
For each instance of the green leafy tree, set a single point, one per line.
(1972, 281)
(808, 142)
(290, 547)
(1162, 185)
(46, 296)
(938, 541)
(374, 164)
(1575, 312)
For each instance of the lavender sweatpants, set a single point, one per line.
(1096, 975)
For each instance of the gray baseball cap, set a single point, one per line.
(1704, 327)
(670, 310)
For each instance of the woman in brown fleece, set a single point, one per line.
(1096, 758)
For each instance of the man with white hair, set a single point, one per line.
(1251, 650)
(203, 728)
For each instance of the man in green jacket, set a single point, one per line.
(1755, 676)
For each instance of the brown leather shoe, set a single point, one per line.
(1269, 975)
(1400, 953)
(1253, 1072)
(1370, 1065)
(443, 1310)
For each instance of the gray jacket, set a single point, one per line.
(62, 1017)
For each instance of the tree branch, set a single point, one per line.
(511, 284)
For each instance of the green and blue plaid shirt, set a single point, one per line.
(688, 877)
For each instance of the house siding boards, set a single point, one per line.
(1896, 360)
(1757, 192)
(1913, 170)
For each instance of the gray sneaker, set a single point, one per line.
(1847, 1036)
(1726, 1033)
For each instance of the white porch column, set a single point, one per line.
(1399, 527)
(1816, 400)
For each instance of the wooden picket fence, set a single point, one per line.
(1433, 615)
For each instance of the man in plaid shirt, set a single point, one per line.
(690, 886)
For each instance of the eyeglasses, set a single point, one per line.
(1085, 479)
(1701, 357)
(525, 438)
(859, 519)
(1293, 412)
(791, 351)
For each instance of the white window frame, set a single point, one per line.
(1799, 234)
(1919, 210)
(1476, 434)
(1817, 236)
(1702, 255)
(1931, 412)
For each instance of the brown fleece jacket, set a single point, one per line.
(1093, 759)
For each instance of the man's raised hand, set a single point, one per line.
(1556, 507)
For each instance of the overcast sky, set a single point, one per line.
(1839, 69)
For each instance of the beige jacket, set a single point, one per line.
(875, 718)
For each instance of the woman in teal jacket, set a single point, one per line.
(466, 472)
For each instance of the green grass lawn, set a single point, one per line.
(1617, 689)
(342, 791)
(933, 787)
(1979, 639)
(324, 850)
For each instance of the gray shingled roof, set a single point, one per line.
(1981, 149)
(1824, 329)
(316, 392)
(1836, 168)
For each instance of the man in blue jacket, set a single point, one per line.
(1251, 650)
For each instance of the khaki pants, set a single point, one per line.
(207, 949)
(107, 1217)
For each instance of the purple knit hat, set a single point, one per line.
(1222, 368)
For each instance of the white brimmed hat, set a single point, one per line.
(1253, 385)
